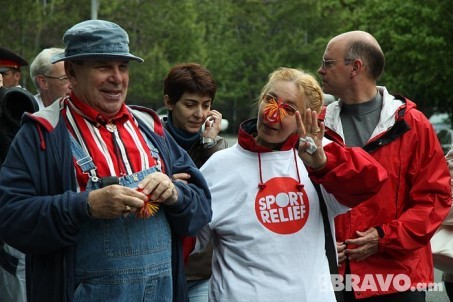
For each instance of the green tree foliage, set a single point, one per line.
(253, 39)
(164, 33)
(242, 41)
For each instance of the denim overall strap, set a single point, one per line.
(126, 258)
(83, 160)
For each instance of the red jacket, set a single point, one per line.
(410, 206)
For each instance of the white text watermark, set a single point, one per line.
(378, 282)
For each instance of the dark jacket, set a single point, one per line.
(198, 266)
(41, 212)
(200, 155)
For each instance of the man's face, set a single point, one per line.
(101, 84)
(334, 71)
(11, 78)
(56, 84)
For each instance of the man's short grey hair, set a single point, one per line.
(41, 64)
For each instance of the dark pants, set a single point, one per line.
(449, 290)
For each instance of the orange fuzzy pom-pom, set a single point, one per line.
(274, 112)
(149, 208)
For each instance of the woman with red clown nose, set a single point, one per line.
(275, 194)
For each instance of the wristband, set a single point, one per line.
(207, 142)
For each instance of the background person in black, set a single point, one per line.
(14, 101)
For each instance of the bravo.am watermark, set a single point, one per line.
(376, 282)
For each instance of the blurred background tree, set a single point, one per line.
(242, 41)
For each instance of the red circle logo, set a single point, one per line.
(281, 206)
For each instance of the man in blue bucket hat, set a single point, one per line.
(86, 189)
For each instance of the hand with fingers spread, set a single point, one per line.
(114, 201)
(310, 145)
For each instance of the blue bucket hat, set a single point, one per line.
(95, 39)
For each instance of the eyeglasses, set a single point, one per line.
(63, 79)
(329, 63)
(270, 99)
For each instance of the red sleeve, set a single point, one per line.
(427, 198)
(350, 174)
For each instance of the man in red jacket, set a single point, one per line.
(384, 243)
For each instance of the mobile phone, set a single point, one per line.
(210, 121)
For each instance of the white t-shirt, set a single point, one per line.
(268, 243)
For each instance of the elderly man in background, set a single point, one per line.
(49, 79)
(86, 189)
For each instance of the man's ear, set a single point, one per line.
(168, 103)
(357, 67)
(41, 81)
(17, 76)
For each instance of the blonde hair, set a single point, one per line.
(307, 85)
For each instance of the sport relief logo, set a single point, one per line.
(281, 207)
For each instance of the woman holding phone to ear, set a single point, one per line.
(189, 91)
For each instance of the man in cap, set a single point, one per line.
(10, 64)
(86, 190)
(49, 79)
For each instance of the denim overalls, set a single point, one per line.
(126, 258)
